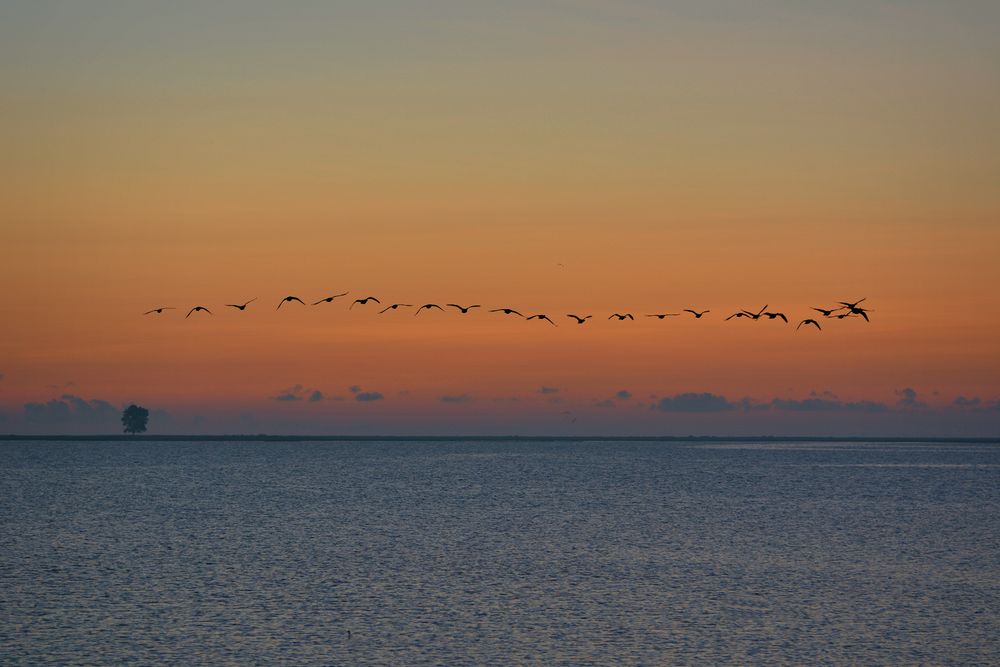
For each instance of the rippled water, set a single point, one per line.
(499, 553)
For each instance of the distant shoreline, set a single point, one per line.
(483, 438)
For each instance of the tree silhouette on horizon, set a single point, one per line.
(134, 419)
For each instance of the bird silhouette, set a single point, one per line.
(827, 312)
(843, 315)
(395, 306)
(289, 299)
(542, 317)
(239, 307)
(772, 316)
(662, 315)
(863, 312)
(196, 309)
(428, 306)
(621, 317)
(848, 304)
(364, 301)
(506, 311)
(755, 316)
(807, 322)
(464, 309)
(159, 310)
(696, 314)
(739, 314)
(580, 320)
(331, 298)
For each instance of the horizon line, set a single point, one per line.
(264, 437)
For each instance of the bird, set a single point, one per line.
(621, 317)
(330, 298)
(428, 306)
(196, 309)
(739, 314)
(662, 315)
(696, 314)
(809, 321)
(542, 317)
(580, 320)
(364, 301)
(843, 315)
(464, 309)
(159, 310)
(755, 316)
(827, 312)
(506, 311)
(772, 316)
(395, 306)
(848, 304)
(289, 298)
(863, 312)
(239, 307)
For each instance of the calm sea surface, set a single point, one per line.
(464, 553)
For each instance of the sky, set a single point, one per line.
(555, 157)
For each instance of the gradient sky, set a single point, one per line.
(554, 157)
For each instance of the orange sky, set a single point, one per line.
(555, 158)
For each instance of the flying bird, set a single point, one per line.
(159, 310)
(331, 298)
(662, 315)
(621, 317)
(863, 312)
(848, 304)
(755, 316)
(464, 309)
(239, 307)
(827, 312)
(696, 314)
(196, 309)
(364, 301)
(542, 317)
(428, 306)
(580, 320)
(807, 322)
(739, 314)
(289, 298)
(506, 311)
(395, 306)
(772, 316)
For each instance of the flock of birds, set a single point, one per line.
(849, 308)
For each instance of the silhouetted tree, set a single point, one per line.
(134, 419)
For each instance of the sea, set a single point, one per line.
(520, 552)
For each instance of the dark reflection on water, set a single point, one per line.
(500, 553)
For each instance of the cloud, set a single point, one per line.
(70, 410)
(828, 405)
(963, 402)
(908, 399)
(548, 390)
(624, 395)
(367, 396)
(461, 398)
(975, 404)
(692, 402)
(298, 392)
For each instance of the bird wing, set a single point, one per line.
(629, 315)
(740, 314)
(190, 311)
(515, 312)
(864, 314)
(782, 316)
(454, 305)
(375, 300)
(295, 298)
(151, 311)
